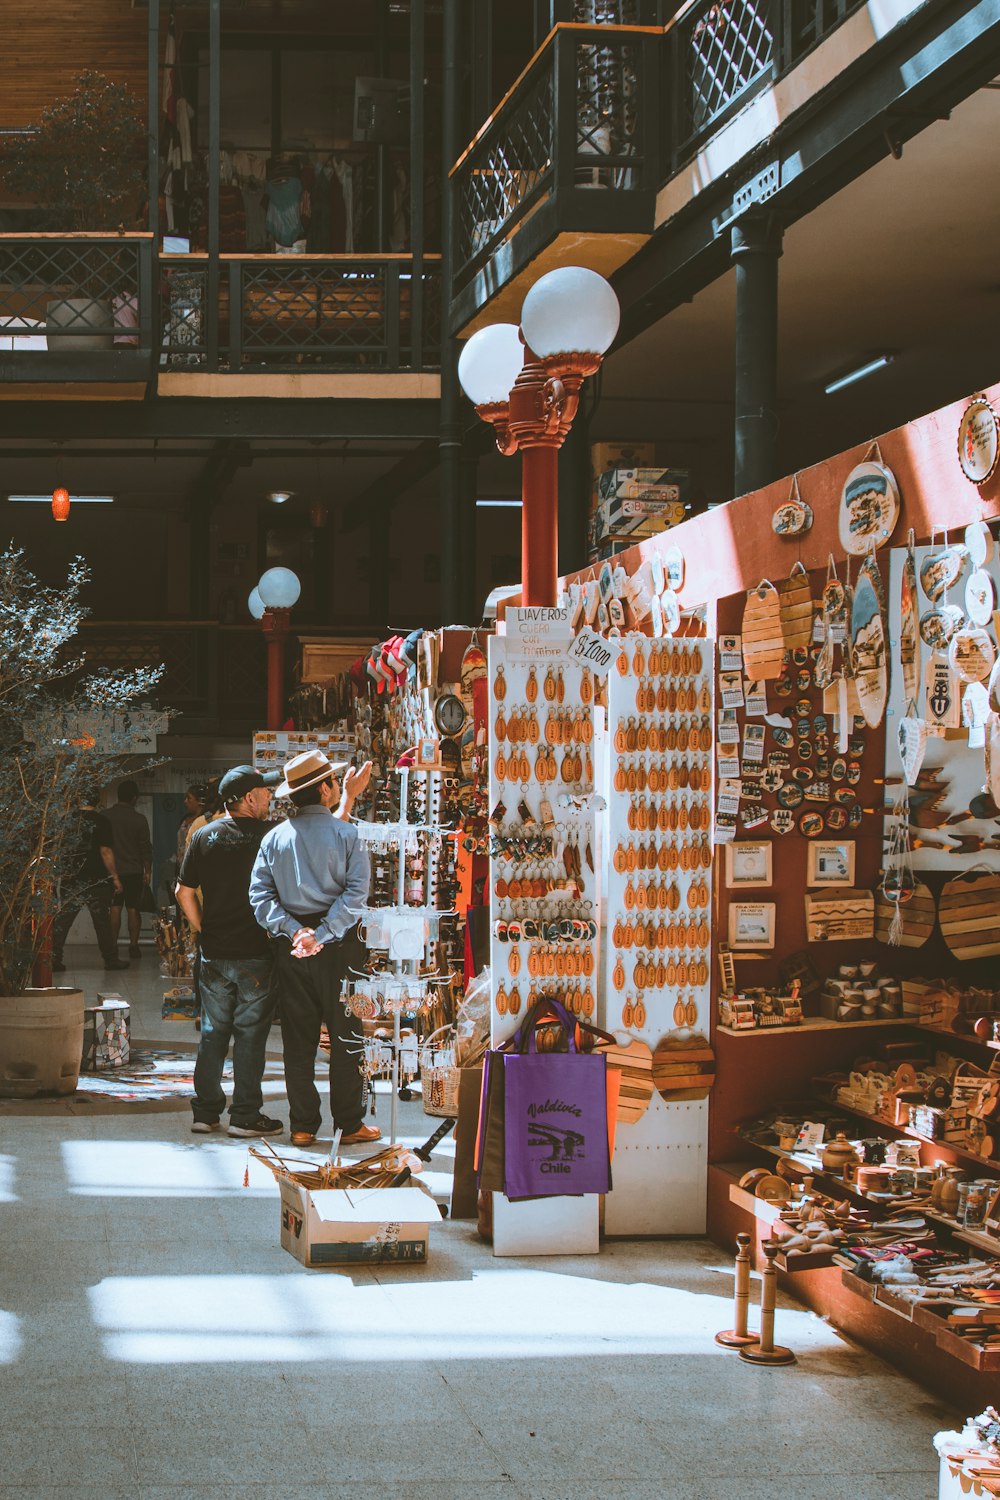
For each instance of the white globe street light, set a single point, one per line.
(255, 604)
(279, 588)
(490, 363)
(570, 311)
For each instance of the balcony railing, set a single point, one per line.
(574, 145)
(103, 307)
(66, 296)
(721, 52)
(361, 313)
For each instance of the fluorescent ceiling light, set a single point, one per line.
(74, 499)
(878, 363)
(505, 504)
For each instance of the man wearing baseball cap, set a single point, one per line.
(308, 887)
(236, 973)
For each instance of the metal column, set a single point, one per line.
(755, 249)
(211, 310)
(450, 439)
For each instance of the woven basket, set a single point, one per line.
(439, 1073)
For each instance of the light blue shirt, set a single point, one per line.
(310, 863)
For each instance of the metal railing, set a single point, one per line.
(319, 312)
(721, 52)
(75, 295)
(89, 306)
(584, 115)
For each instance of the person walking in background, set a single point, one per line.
(194, 807)
(134, 858)
(309, 883)
(93, 883)
(236, 967)
(212, 807)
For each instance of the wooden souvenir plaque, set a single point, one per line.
(918, 916)
(796, 609)
(763, 641)
(969, 913)
(869, 508)
(635, 1063)
(683, 1068)
(909, 644)
(868, 644)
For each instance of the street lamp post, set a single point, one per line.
(526, 382)
(271, 603)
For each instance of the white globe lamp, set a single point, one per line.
(489, 364)
(570, 311)
(255, 605)
(278, 588)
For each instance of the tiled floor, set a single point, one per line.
(157, 1344)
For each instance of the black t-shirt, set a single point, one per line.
(94, 833)
(219, 858)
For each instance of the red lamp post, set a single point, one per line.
(526, 382)
(271, 603)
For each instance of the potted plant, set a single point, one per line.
(85, 163)
(62, 730)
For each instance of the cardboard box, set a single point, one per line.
(351, 1226)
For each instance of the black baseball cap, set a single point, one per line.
(242, 779)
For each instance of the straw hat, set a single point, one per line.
(306, 769)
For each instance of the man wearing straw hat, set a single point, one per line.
(308, 887)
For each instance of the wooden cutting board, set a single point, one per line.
(969, 913)
(796, 609)
(763, 641)
(919, 915)
(683, 1068)
(635, 1063)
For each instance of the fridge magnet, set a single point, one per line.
(869, 508)
(751, 925)
(831, 863)
(978, 441)
(748, 864)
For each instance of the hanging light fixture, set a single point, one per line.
(60, 504)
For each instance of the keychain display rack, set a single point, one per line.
(544, 883)
(656, 989)
(402, 984)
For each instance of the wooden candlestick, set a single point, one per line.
(767, 1352)
(737, 1337)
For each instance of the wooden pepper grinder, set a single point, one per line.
(737, 1337)
(767, 1352)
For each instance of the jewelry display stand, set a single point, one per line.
(544, 907)
(404, 933)
(658, 879)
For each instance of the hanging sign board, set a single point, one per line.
(588, 649)
(538, 634)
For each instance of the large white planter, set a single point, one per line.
(41, 1042)
(73, 315)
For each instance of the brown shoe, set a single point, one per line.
(302, 1138)
(361, 1136)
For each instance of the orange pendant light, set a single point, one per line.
(60, 504)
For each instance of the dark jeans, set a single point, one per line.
(309, 990)
(97, 900)
(237, 1001)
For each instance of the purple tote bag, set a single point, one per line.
(556, 1120)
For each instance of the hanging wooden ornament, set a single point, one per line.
(916, 917)
(980, 597)
(634, 1062)
(898, 882)
(975, 713)
(979, 544)
(909, 645)
(869, 507)
(939, 571)
(969, 914)
(868, 643)
(683, 1068)
(942, 698)
(834, 649)
(796, 609)
(795, 517)
(938, 625)
(763, 641)
(972, 654)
